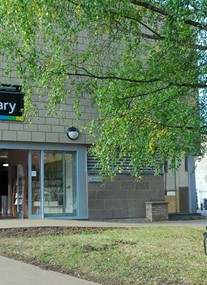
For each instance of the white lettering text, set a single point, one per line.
(9, 107)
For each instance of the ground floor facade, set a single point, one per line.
(46, 172)
(39, 181)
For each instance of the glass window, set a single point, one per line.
(59, 187)
(36, 194)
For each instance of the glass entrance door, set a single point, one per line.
(52, 184)
(59, 186)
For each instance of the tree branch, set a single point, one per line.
(147, 93)
(150, 7)
(170, 126)
(165, 13)
(190, 85)
(111, 77)
(156, 36)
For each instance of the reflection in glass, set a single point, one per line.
(36, 183)
(58, 184)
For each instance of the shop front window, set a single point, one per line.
(36, 189)
(59, 186)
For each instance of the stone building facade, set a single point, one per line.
(44, 174)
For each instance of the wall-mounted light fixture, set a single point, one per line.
(73, 133)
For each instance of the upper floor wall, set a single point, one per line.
(46, 128)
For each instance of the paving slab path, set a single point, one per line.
(19, 223)
(14, 272)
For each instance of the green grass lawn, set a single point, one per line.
(146, 256)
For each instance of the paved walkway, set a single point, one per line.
(15, 223)
(18, 273)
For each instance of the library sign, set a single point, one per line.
(11, 103)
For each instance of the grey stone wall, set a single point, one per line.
(124, 198)
(48, 128)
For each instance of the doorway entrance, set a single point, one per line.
(53, 184)
(13, 183)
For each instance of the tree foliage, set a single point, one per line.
(143, 62)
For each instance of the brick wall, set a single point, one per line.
(123, 198)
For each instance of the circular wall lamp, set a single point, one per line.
(73, 133)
